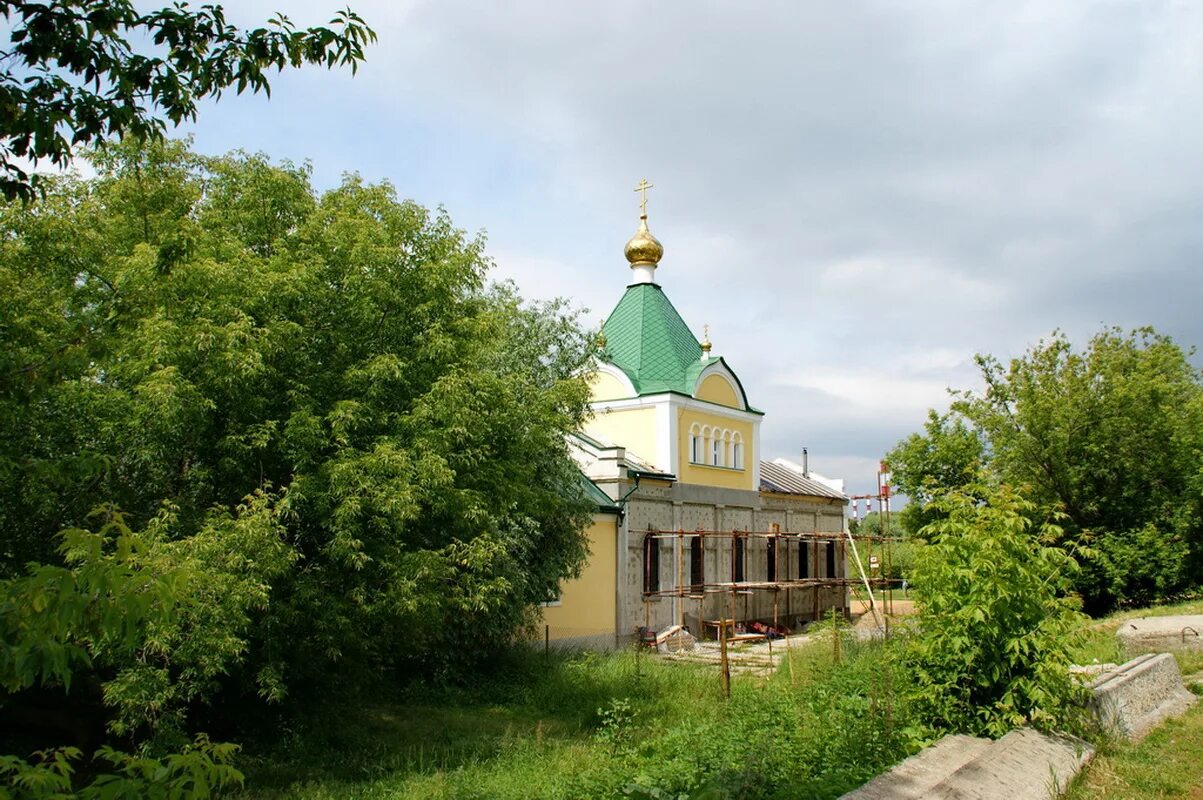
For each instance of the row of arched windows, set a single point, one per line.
(715, 447)
(697, 576)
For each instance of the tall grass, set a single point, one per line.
(614, 725)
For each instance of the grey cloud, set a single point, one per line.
(840, 187)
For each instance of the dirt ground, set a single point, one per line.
(900, 608)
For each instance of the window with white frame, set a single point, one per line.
(716, 450)
(695, 444)
(737, 451)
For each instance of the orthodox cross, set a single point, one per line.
(642, 189)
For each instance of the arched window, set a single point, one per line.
(695, 444)
(716, 449)
(651, 564)
(697, 570)
(831, 560)
(737, 451)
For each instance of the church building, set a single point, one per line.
(687, 517)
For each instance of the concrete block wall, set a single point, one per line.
(1139, 695)
(682, 506)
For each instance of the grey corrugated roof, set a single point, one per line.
(776, 478)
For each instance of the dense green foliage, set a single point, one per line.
(201, 769)
(338, 454)
(1112, 436)
(124, 605)
(995, 632)
(82, 71)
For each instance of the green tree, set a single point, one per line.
(343, 443)
(948, 454)
(996, 622)
(1112, 435)
(82, 71)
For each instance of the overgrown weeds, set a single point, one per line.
(612, 725)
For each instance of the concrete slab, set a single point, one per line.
(1023, 765)
(916, 777)
(1084, 673)
(1140, 695)
(1161, 634)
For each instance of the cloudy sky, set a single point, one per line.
(856, 196)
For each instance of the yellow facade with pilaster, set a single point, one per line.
(585, 611)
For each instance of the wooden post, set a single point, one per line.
(724, 666)
(547, 640)
(770, 638)
(842, 566)
(789, 659)
(835, 636)
(680, 578)
(814, 588)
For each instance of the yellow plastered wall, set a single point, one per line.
(632, 428)
(604, 386)
(717, 389)
(587, 603)
(703, 475)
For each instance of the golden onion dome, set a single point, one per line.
(643, 248)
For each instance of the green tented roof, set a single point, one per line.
(647, 339)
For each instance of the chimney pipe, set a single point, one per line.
(805, 463)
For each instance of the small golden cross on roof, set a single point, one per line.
(642, 189)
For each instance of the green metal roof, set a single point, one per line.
(594, 492)
(647, 339)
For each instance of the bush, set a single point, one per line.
(201, 770)
(1141, 567)
(995, 623)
